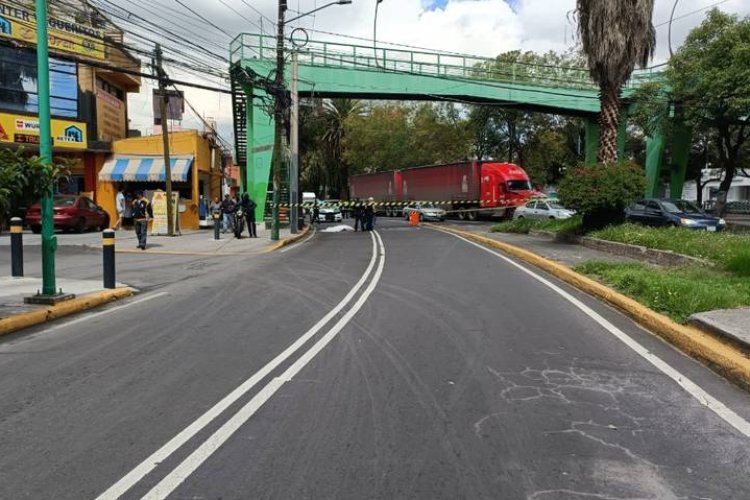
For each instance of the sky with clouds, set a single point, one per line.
(479, 27)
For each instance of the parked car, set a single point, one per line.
(427, 211)
(543, 209)
(676, 213)
(70, 212)
(329, 211)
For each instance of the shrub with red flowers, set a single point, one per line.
(601, 192)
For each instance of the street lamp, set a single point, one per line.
(279, 129)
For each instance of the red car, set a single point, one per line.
(76, 212)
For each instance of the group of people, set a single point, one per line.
(229, 206)
(364, 216)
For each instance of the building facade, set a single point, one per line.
(90, 80)
(137, 164)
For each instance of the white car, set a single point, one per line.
(427, 211)
(543, 209)
(330, 211)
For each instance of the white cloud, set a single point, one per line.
(478, 27)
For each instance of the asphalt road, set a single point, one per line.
(420, 366)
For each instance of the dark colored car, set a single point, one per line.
(70, 212)
(674, 213)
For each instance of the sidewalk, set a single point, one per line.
(731, 325)
(200, 242)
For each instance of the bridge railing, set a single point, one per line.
(445, 65)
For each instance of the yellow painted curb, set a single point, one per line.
(289, 240)
(44, 314)
(722, 356)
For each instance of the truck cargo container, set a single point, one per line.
(468, 190)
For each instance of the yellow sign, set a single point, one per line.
(18, 22)
(21, 129)
(159, 208)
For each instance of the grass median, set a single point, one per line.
(678, 293)
(727, 250)
(523, 226)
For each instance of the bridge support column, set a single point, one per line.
(681, 138)
(591, 140)
(654, 153)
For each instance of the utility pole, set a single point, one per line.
(294, 170)
(163, 99)
(49, 241)
(278, 122)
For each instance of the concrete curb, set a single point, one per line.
(289, 240)
(665, 258)
(42, 315)
(721, 356)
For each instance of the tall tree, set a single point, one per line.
(616, 35)
(336, 113)
(710, 80)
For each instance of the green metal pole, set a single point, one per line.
(49, 241)
(592, 138)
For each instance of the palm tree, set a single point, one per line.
(336, 112)
(616, 35)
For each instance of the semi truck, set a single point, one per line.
(468, 190)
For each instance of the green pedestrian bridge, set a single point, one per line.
(364, 72)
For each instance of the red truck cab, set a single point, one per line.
(505, 186)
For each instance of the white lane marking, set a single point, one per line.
(87, 317)
(691, 387)
(135, 475)
(293, 246)
(167, 485)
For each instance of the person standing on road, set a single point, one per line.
(369, 215)
(120, 207)
(227, 209)
(248, 206)
(142, 212)
(357, 214)
(316, 214)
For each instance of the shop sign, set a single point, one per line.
(22, 129)
(18, 22)
(159, 208)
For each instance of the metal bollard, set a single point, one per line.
(108, 251)
(16, 247)
(217, 224)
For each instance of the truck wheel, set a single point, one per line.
(471, 215)
(461, 213)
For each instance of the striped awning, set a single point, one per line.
(131, 168)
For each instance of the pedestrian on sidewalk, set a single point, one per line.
(142, 212)
(227, 210)
(120, 207)
(248, 206)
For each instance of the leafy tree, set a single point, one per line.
(336, 113)
(710, 80)
(602, 192)
(23, 180)
(615, 35)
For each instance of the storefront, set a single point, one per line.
(138, 165)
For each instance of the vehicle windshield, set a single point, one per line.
(519, 185)
(64, 201)
(555, 205)
(680, 206)
(428, 205)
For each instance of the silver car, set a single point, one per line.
(427, 211)
(543, 209)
